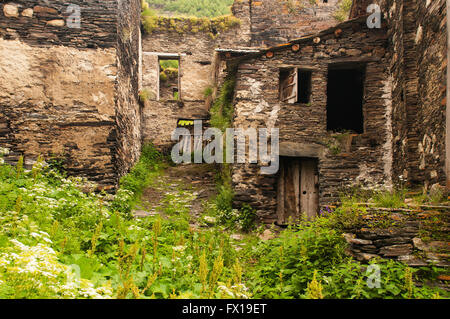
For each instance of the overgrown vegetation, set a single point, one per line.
(61, 239)
(309, 261)
(343, 11)
(222, 110)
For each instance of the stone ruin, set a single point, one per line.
(74, 93)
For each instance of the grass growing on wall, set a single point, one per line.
(222, 110)
(152, 21)
(195, 8)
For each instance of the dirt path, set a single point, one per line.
(197, 180)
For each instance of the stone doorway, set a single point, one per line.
(298, 189)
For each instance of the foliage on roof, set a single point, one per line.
(153, 22)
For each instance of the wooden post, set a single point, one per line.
(447, 133)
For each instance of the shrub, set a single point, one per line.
(343, 11)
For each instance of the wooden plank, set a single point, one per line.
(280, 196)
(309, 196)
(296, 181)
(290, 193)
(294, 79)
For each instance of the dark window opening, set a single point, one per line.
(295, 86)
(169, 80)
(345, 99)
(304, 86)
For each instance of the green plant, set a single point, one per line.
(222, 110)
(390, 199)
(247, 218)
(208, 92)
(198, 8)
(343, 11)
(144, 95)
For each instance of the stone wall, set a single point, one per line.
(59, 101)
(128, 108)
(71, 93)
(364, 158)
(394, 15)
(279, 21)
(194, 43)
(417, 32)
(44, 23)
(431, 45)
(413, 235)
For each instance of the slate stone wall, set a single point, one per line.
(279, 21)
(413, 235)
(418, 35)
(200, 68)
(71, 93)
(44, 23)
(128, 108)
(431, 45)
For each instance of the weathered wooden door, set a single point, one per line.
(298, 189)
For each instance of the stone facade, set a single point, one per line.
(71, 93)
(419, 37)
(279, 21)
(404, 88)
(303, 127)
(261, 23)
(38, 23)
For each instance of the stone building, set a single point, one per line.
(69, 87)
(354, 105)
(200, 47)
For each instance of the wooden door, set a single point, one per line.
(298, 189)
(309, 188)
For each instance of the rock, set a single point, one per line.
(267, 235)
(237, 237)
(396, 250)
(357, 241)
(412, 261)
(143, 213)
(443, 278)
(10, 11)
(27, 13)
(56, 23)
(437, 191)
(44, 10)
(353, 52)
(397, 217)
(365, 256)
(392, 241)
